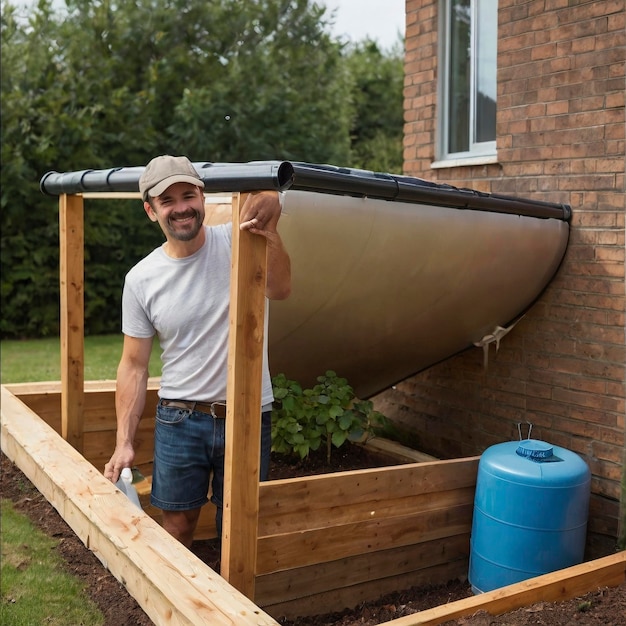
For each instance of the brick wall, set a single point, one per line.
(560, 137)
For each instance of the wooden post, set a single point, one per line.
(243, 420)
(72, 257)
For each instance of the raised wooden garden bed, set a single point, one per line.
(331, 540)
(289, 547)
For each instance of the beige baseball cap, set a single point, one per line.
(165, 170)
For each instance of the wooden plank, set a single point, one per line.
(209, 198)
(98, 447)
(23, 390)
(346, 597)
(282, 521)
(565, 584)
(168, 581)
(72, 289)
(99, 403)
(306, 495)
(99, 424)
(316, 546)
(47, 406)
(243, 423)
(402, 453)
(44, 398)
(562, 585)
(293, 584)
(368, 484)
(111, 195)
(98, 409)
(216, 214)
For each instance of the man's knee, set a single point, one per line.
(181, 525)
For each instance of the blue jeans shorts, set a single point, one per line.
(188, 450)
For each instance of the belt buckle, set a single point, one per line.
(213, 405)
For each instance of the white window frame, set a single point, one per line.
(479, 152)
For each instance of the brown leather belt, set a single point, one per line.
(215, 409)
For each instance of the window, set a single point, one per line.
(467, 124)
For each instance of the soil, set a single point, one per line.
(603, 607)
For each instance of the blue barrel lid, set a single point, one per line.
(533, 462)
(535, 450)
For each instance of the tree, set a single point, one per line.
(105, 83)
(29, 237)
(377, 127)
(280, 91)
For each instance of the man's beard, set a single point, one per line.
(185, 235)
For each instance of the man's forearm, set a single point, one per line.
(278, 269)
(130, 401)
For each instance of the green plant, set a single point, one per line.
(293, 430)
(329, 412)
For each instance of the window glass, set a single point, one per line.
(486, 67)
(468, 97)
(459, 73)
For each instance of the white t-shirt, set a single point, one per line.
(185, 302)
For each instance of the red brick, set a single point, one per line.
(608, 452)
(561, 138)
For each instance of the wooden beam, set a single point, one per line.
(348, 540)
(243, 422)
(567, 583)
(378, 572)
(168, 581)
(72, 278)
(111, 195)
(135, 195)
(352, 596)
(400, 452)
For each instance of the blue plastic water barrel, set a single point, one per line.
(530, 513)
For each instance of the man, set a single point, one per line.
(180, 292)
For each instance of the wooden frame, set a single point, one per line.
(248, 277)
(331, 540)
(170, 583)
(339, 539)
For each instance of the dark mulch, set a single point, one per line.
(119, 608)
(604, 607)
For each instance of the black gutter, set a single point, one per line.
(216, 177)
(282, 175)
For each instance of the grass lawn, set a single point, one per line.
(35, 588)
(32, 360)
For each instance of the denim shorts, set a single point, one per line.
(188, 449)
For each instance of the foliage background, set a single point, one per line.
(97, 84)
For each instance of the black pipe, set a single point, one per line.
(345, 181)
(217, 177)
(331, 179)
(282, 175)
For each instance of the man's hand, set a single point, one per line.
(123, 456)
(260, 213)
